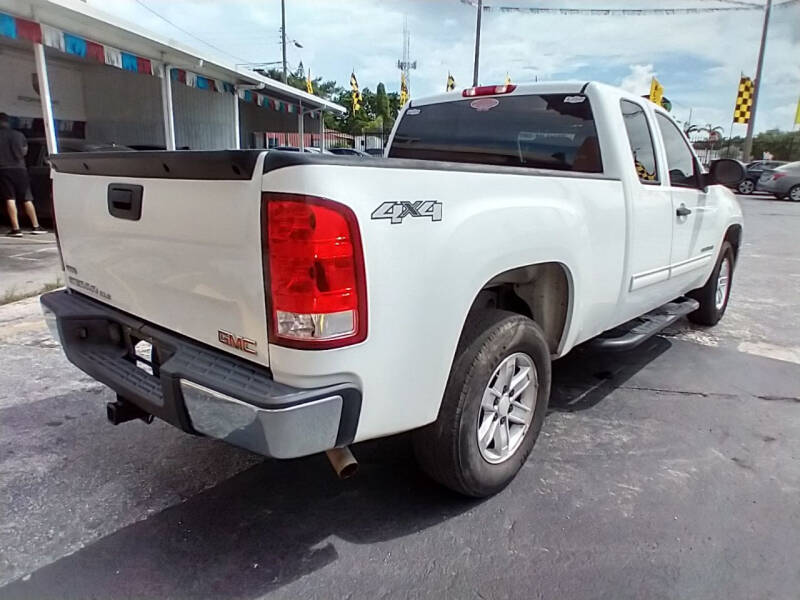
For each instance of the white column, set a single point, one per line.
(237, 135)
(301, 145)
(321, 131)
(44, 96)
(167, 109)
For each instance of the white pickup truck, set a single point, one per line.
(295, 303)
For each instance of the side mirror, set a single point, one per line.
(725, 171)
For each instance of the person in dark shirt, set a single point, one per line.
(14, 183)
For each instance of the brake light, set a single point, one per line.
(778, 175)
(488, 90)
(315, 279)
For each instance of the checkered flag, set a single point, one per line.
(355, 93)
(744, 101)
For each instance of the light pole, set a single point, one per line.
(477, 45)
(748, 140)
(283, 36)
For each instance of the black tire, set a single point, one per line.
(708, 313)
(794, 193)
(447, 449)
(746, 186)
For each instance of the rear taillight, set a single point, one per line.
(778, 175)
(315, 279)
(488, 90)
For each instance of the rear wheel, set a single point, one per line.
(713, 296)
(746, 186)
(794, 193)
(493, 406)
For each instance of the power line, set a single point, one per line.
(740, 3)
(189, 33)
(632, 12)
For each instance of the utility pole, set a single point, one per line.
(406, 65)
(477, 45)
(283, 36)
(748, 141)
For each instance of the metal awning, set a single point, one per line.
(81, 19)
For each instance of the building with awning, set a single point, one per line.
(72, 71)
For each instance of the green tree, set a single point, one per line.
(382, 101)
(783, 145)
(378, 109)
(297, 79)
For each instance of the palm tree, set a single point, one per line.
(689, 129)
(711, 130)
(713, 135)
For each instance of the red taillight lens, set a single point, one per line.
(316, 272)
(778, 175)
(488, 90)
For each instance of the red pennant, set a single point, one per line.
(28, 30)
(143, 65)
(95, 51)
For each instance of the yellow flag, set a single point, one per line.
(309, 87)
(656, 91)
(355, 92)
(451, 83)
(508, 79)
(403, 89)
(797, 114)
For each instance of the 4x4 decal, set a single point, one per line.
(397, 211)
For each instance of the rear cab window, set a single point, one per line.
(542, 131)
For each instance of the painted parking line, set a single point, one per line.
(27, 254)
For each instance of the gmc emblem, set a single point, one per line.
(240, 343)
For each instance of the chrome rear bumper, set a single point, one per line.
(200, 389)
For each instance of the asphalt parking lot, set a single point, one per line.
(28, 265)
(669, 472)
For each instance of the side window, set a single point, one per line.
(640, 140)
(680, 160)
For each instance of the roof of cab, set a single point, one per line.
(521, 89)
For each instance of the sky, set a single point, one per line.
(698, 58)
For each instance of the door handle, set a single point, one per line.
(682, 211)
(125, 201)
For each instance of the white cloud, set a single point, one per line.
(638, 80)
(698, 57)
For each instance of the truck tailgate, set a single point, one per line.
(190, 262)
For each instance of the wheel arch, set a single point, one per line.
(733, 235)
(543, 292)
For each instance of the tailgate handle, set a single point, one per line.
(125, 201)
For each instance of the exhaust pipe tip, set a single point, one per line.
(343, 462)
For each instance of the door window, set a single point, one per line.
(680, 160)
(641, 141)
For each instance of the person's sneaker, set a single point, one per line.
(14, 233)
(38, 230)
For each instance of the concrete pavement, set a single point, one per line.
(27, 265)
(669, 472)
